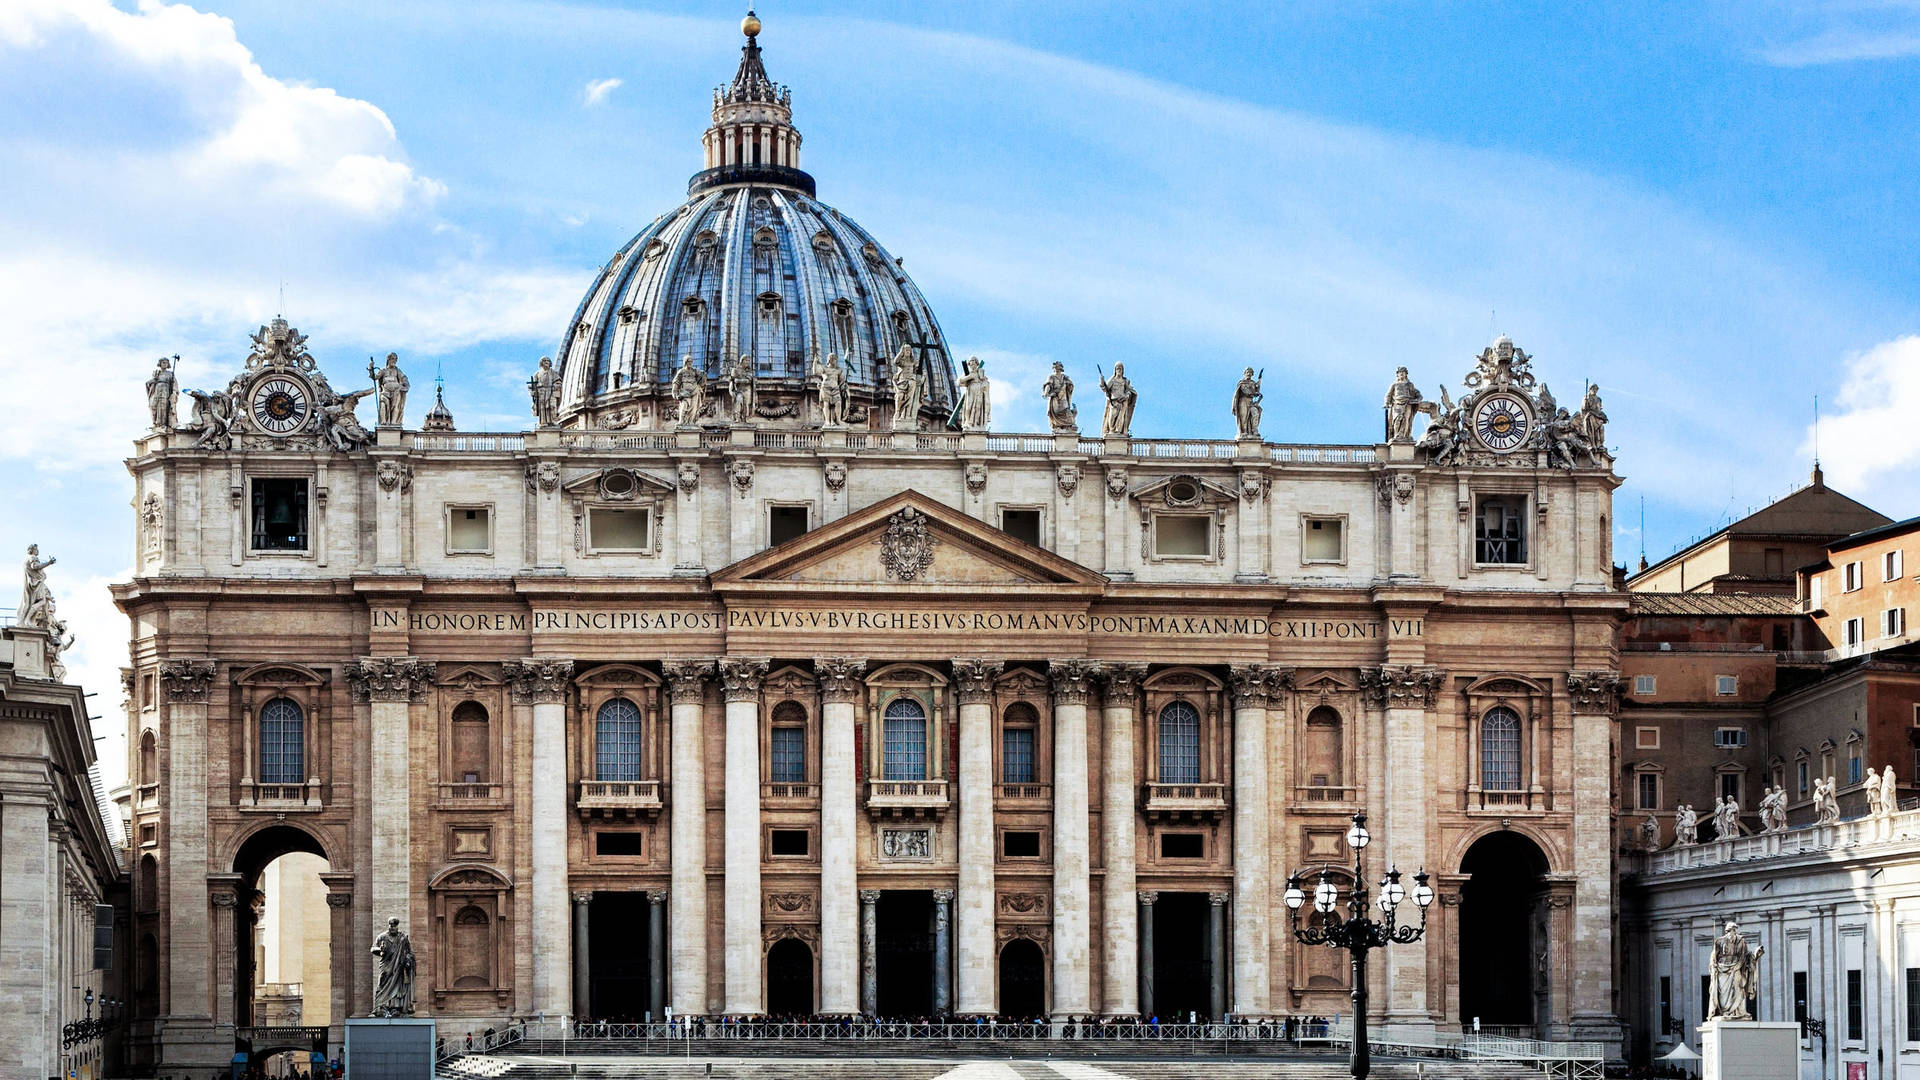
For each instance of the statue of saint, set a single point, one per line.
(689, 392)
(1872, 786)
(1889, 793)
(1118, 418)
(743, 390)
(35, 596)
(1591, 421)
(1441, 440)
(909, 389)
(544, 387)
(833, 391)
(1403, 400)
(339, 422)
(1058, 390)
(1246, 405)
(393, 963)
(1735, 976)
(1650, 832)
(1686, 826)
(392, 385)
(213, 416)
(163, 393)
(1826, 802)
(975, 408)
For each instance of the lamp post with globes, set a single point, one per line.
(1357, 933)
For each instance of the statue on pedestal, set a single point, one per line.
(833, 391)
(393, 964)
(1872, 786)
(35, 596)
(1686, 826)
(1889, 793)
(163, 393)
(909, 389)
(1735, 975)
(1826, 804)
(1590, 423)
(1246, 405)
(544, 387)
(392, 384)
(1118, 418)
(689, 392)
(1650, 832)
(1062, 414)
(1403, 401)
(975, 408)
(743, 390)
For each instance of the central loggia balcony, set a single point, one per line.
(907, 798)
(1183, 802)
(621, 798)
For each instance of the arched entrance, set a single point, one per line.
(790, 978)
(1023, 980)
(282, 932)
(1504, 947)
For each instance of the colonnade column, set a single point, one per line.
(974, 680)
(869, 951)
(687, 853)
(543, 682)
(1217, 946)
(942, 951)
(1594, 694)
(1254, 687)
(1120, 926)
(1408, 692)
(839, 679)
(656, 953)
(1147, 898)
(740, 677)
(188, 949)
(582, 964)
(1072, 985)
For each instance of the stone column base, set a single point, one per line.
(1747, 1050)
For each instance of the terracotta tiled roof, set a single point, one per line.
(1645, 603)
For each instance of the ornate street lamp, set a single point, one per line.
(1357, 933)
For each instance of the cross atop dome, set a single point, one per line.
(752, 138)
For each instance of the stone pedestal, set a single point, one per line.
(390, 1049)
(1749, 1050)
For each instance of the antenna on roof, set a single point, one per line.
(283, 299)
(1819, 480)
(1643, 532)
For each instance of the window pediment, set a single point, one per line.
(1184, 491)
(470, 876)
(614, 484)
(279, 674)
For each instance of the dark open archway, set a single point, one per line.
(1502, 942)
(250, 862)
(1023, 980)
(790, 978)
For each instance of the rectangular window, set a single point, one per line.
(787, 755)
(1730, 736)
(1853, 766)
(627, 844)
(1666, 1004)
(1853, 632)
(625, 528)
(1646, 738)
(1800, 1001)
(1803, 778)
(279, 513)
(1022, 525)
(1179, 845)
(469, 530)
(904, 747)
(1020, 845)
(1893, 622)
(1016, 755)
(1644, 685)
(1890, 567)
(1500, 530)
(1179, 744)
(1913, 1004)
(1855, 578)
(787, 842)
(1730, 786)
(1182, 536)
(1726, 684)
(1323, 540)
(785, 523)
(1649, 791)
(1856, 1007)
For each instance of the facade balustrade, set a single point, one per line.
(1183, 801)
(281, 798)
(907, 798)
(621, 798)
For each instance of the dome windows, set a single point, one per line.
(823, 242)
(655, 248)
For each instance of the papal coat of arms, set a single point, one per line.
(906, 548)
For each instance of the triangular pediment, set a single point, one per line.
(910, 541)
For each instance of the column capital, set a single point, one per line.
(974, 678)
(740, 676)
(582, 899)
(1594, 691)
(539, 680)
(839, 677)
(656, 897)
(1071, 680)
(1401, 686)
(1219, 899)
(390, 678)
(1121, 681)
(686, 679)
(186, 680)
(340, 899)
(869, 896)
(943, 896)
(1148, 897)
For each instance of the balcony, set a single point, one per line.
(280, 798)
(621, 798)
(469, 793)
(907, 798)
(1314, 794)
(788, 793)
(1508, 800)
(1183, 802)
(1023, 796)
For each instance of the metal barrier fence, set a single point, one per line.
(713, 1029)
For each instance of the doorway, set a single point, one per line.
(617, 961)
(790, 979)
(283, 944)
(904, 953)
(1023, 980)
(1182, 957)
(1501, 930)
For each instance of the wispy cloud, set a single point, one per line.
(1842, 46)
(597, 91)
(1866, 444)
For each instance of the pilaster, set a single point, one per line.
(1254, 686)
(543, 682)
(1594, 695)
(1407, 691)
(185, 684)
(389, 685)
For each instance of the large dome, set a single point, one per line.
(751, 265)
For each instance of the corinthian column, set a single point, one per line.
(974, 678)
(1254, 686)
(740, 677)
(390, 684)
(1594, 694)
(542, 682)
(1119, 913)
(1072, 984)
(687, 855)
(840, 686)
(1407, 692)
(188, 974)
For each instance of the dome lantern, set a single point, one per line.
(752, 137)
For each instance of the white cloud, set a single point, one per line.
(1867, 444)
(1841, 46)
(597, 91)
(99, 651)
(1013, 390)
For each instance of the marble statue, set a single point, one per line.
(338, 421)
(909, 389)
(163, 393)
(743, 390)
(1062, 413)
(1726, 819)
(1441, 440)
(833, 391)
(391, 383)
(689, 393)
(1686, 826)
(1889, 793)
(1650, 832)
(1735, 975)
(974, 408)
(1403, 400)
(1246, 405)
(1590, 423)
(1561, 442)
(393, 963)
(1826, 802)
(1121, 397)
(35, 596)
(544, 387)
(213, 416)
(1872, 786)
(1773, 810)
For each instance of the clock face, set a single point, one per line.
(1501, 422)
(280, 405)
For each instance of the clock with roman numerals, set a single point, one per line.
(280, 405)
(1502, 422)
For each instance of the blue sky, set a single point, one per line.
(1706, 207)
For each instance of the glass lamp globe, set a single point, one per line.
(1391, 890)
(1422, 892)
(1358, 837)
(1324, 896)
(1294, 896)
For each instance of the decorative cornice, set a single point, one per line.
(1072, 679)
(538, 680)
(686, 679)
(740, 676)
(390, 678)
(974, 679)
(1401, 686)
(186, 680)
(839, 677)
(1121, 682)
(1594, 691)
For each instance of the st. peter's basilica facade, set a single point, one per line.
(762, 676)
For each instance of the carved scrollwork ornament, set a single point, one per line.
(225, 900)
(839, 677)
(686, 679)
(974, 680)
(976, 477)
(1401, 686)
(1072, 679)
(390, 678)
(1023, 903)
(1121, 682)
(1254, 484)
(740, 676)
(1116, 483)
(186, 680)
(394, 475)
(543, 475)
(1149, 897)
(1249, 683)
(1594, 691)
(740, 472)
(538, 680)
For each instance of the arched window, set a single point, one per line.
(1324, 752)
(1500, 750)
(147, 895)
(904, 740)
(1179, 743)
(472, 948)
(283, 750)
(149, 768)
(787, 744)
(1018, 728)
(470, 751)
(616, 741)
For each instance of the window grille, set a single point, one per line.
(1500, 750)
(788, 754)
(616, 741)
(283, 750)
(1179, 744)
(1500, 534)
(904, 740)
